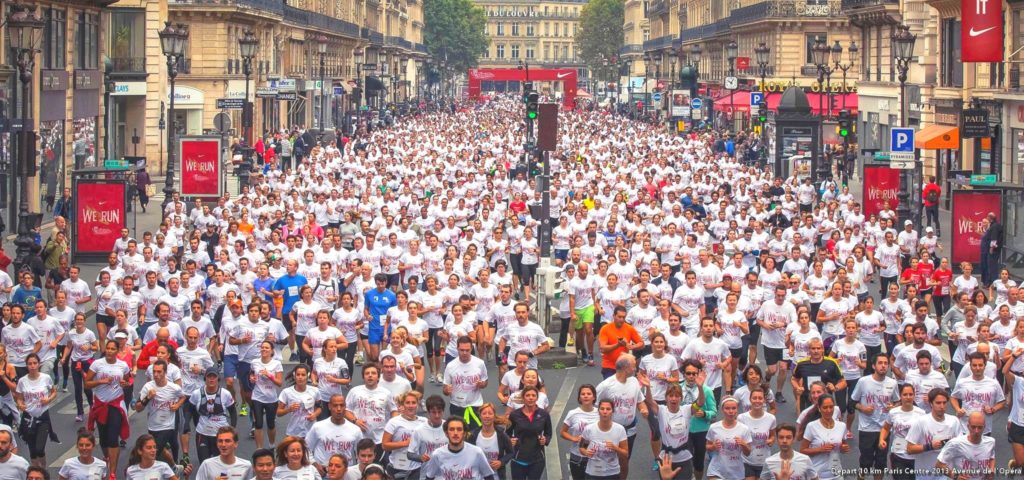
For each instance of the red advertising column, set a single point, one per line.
(881, 184)
(99, 216)
(969, 208)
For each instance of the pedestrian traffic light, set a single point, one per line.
(532, 105)
(762, 112)
(527, 88)
(844, 123)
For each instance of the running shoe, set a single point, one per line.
(780, 399)
(244, 411)
(65, 388)
(294, 357)
(590, 360)
(184, 460)
(78, 419)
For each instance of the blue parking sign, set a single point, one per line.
(756, 97)
(902, 140)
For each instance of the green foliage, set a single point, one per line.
(600, 36)
(455, 33)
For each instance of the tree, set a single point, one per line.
(455, 33)
(600, 37)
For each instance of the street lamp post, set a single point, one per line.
(321, 45)
(762, 52)
(108, 88)
(248, 44)
(172, 43)
(24, 28)
(383, 59)
(358, 56)
(731, 52)
(837, 55)
(695, 56)
(903, 50)
(821, 52)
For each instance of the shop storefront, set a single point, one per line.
(188, 110)
(1013, 167)
(85, 118)
(51, 147)
(127, 119)
(947, 118)
(269, 112)
(236, 90)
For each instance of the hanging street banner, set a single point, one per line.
(200, 167)
(981, 33)
(969, 208)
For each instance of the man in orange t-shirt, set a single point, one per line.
(615, 339)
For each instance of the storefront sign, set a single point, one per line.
(53, 95)
(129, 89)
(99, 215)
(237, 88)
(881, 184)
(87, 93)
(969, 208)
(200, 167)
(778, 86)
(981, 34)
(266, 92)
(284, 85)
(184, 95)
(975, 123)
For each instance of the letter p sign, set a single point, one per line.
(902, 140)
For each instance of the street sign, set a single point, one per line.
(756, 98)
(266, 92)
(902, 140)
(222, 122)
(231, 103)
(339, 91)
(656, 96)
(983, 179)
(696, 103)
(369, 67)
(697, 114)
(684, 112)
(115, 164)
(901, 160)
(731, 83)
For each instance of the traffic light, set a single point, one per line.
(527, 88)
(532, 105)
(844, 123)
(762, 112)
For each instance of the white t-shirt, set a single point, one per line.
(115, 371)
(468, 463)
(577, 421)
(827, 465)
(926, 430)
(463, 378)
(326, 439)
(265, 390)
(969, 458)
(667, 364)
(975, 395)
(210, 422)
(19, 342)
(335, 369)
(800, 466)
(603, 460)
(710, 354)
(727, 462)
(877, 394)
(161, 417)
(307, 472)
(401, 429)
(675, 430)
(214, 468)
(847, 355)
(159, 471)
(899, 424)
(760, 430)
(373, 407)
(74, 469)
(626, 397)
(298, 426)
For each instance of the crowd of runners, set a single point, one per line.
(348, 279)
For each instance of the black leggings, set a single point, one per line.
(303, 357)
(206, 447)
(532, 471)
(110, 432)
(349, 354)
(699, 441)
(78, 377)
(433, 343)
(563, 334)
(38, 436)
(65, 366)
(264, 411)
(941, 303)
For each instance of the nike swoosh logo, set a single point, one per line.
(975, 33)
(563, 75)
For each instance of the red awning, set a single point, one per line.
(583, 93)
(738, 101)
(813, 99)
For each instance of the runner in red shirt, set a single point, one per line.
(911, 275)
(941, 280)
(925, 268)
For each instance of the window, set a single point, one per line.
(500, 51)
(565, 29)
(529, 52)
(811, 39)
(500, 29)
(87, 41)
(55, 32)
(565, 52)
(952, 69)
(515, 29)
(515, 51)
(127, 40)
(547, 52)
(529, 30)
(545, 29)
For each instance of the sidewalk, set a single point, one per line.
(945, 220)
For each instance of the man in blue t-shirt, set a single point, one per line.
(377, 302)
(288, 287)
(26, 295)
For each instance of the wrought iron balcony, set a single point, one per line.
(854, 4)
(1015, 84)
(270, 6)
(128, 65)
(318, 20)
(786, 9)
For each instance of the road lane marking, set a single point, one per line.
(551, 451)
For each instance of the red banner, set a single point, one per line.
(981, 34)
(200, 168)
(742, 63)
(881, 184)
(969, 208)
(99, 215)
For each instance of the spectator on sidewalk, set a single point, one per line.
(930, 197)
(991, 248)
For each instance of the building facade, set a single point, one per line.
(540, 33)
(64, 103)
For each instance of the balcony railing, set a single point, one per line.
(659, 43)
(1015, 83)
(318, 20)
(705, 31)
(400, 42)
(631, 49)
(657, 7)
(787, 9)
(421, 48)
(128, 64)
(853, 4)
(270, 6)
